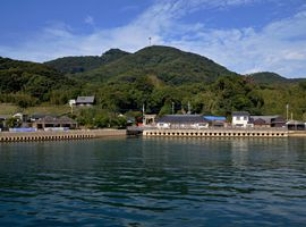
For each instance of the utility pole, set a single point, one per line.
(287, 108)
(143, 114)
(172, 109)
(189, 108)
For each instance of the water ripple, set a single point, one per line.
(144, 182)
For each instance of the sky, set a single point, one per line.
(245, 36)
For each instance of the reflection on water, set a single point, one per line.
(154, 182)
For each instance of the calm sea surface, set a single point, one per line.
(154, 182)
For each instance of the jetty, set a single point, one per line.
(58, 135)
(148, 132)
(217, 132)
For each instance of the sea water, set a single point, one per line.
(154, 182)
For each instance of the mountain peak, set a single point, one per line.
(114, 52)
(267, 78)
(168, 64)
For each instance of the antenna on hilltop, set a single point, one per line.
(150, 41)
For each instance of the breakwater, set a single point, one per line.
(55, 136)
(222, 132)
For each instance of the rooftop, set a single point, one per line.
(85, 99)
(182, 119)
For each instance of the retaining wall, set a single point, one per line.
(55, 136)
(217, 132)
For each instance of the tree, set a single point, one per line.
(13, 122)
(24, 100)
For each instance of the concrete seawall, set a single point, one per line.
(55, 136)
(224, 132)
(301, 133)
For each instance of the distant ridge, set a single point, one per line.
(85, 63)
(32, 78)
(272, 78)
(267, 78)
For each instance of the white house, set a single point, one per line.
(241, 119)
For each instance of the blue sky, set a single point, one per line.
(243, 35)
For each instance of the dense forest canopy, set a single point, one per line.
(28, 84)
(73, 65)
(170, 65)
(163, 79)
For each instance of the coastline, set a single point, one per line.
(224, 132)
(55, 136)
(297, 133)
(101, 133)
(217, 132)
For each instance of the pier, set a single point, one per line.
(56, 136)
(218, 132)
(134, 130)
(151, 131)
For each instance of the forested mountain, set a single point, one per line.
(28, 83)
(85, 63)
(272, 78)
(164, 79)
(268, 78)
(167, 64)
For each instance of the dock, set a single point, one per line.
(134, 130)
(217, 132)
(149, 132)
(56, 136)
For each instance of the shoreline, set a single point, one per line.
(102, 133)
(56, 136)
(221, 132)
(297, 133)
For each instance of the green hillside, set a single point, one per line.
(168, 64)
(28, 83)
(81, 64)
(268, 78)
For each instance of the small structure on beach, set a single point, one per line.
(296, 125)
(182, 121)
(216, 121)
(244, 119)
(149, 119)
(53, 123)
(241, 119)
(268, 121)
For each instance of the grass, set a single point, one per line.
(8, 109)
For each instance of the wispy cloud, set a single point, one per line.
(278, 46)
(89, 20)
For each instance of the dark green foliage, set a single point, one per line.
(302, 85)
(99, 118)
(270, 78)
(34, 81)
(13, 122)
(169, 65)
(73, 65)
(267, 78)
